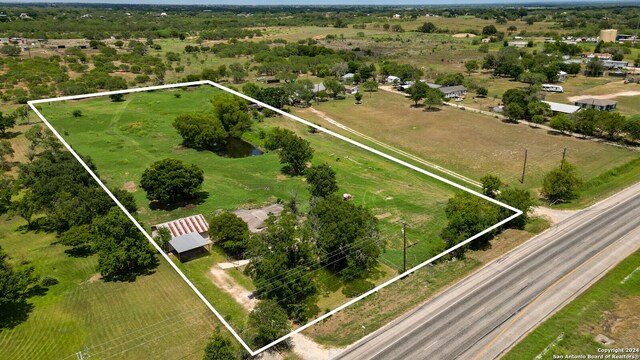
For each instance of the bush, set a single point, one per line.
(77, 113)
(48, 281)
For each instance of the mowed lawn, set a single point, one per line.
(157, 316)
(124, 138)
(472, 144)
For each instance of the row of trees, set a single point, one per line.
(525, 104)
(527, 67)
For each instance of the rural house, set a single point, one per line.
(455, 91)
(187, 234)
(598, 104)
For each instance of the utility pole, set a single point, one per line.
(524, 166)
(404, 236)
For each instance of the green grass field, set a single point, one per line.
(157, 316)
(474, 145)
(124, 138)
(610, 307)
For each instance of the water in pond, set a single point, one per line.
(238, 148)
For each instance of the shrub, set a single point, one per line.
(77, 113)
(48, 281)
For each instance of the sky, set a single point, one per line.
(316, 2)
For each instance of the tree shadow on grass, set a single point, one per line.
(131, 276)
(198, 199)
(432, 109)
(13, 314)
(10, 134)
(80, 251)
(37, 225)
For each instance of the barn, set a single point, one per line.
(187, 234)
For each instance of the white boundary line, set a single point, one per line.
(517, 212)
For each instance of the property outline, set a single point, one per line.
(517, 212)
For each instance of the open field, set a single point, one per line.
(124, 138)
(474, 145)
(610, 308)
(157, 316)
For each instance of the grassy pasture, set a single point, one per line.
(126, 137)
(474, 145)
(157, 316)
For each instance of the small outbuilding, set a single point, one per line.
(188, 242)
(187, 234)
(598, 104)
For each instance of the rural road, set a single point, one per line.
(485, 314)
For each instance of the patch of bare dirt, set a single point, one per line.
(383, 216)
(622, 324)
(95, 277)
(225, 282)
(604, 97)
(130, 186)
(281, 177)
(553, 215)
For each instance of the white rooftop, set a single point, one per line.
(563, 108)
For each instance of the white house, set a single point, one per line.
(456, 91)
(393, 79)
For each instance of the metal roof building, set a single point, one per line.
(562, 108)
(188, 242)
(195, 223)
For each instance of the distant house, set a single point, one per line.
(612, 64)
(256, 218)
(163, 14)
(455, 91)
(518, 44)
(562, 76)
(352, 90)
(397, 16)
(393, 79)
(486, 40)
(187, 234)
(24, 16)
(348, 77)
(561, 108)
(600, 56)
(598, 104)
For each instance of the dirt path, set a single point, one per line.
(604, 97)
(553, 215)
(243, 296)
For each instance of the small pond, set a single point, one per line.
(238, 148)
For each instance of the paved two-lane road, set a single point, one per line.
(488, 312)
